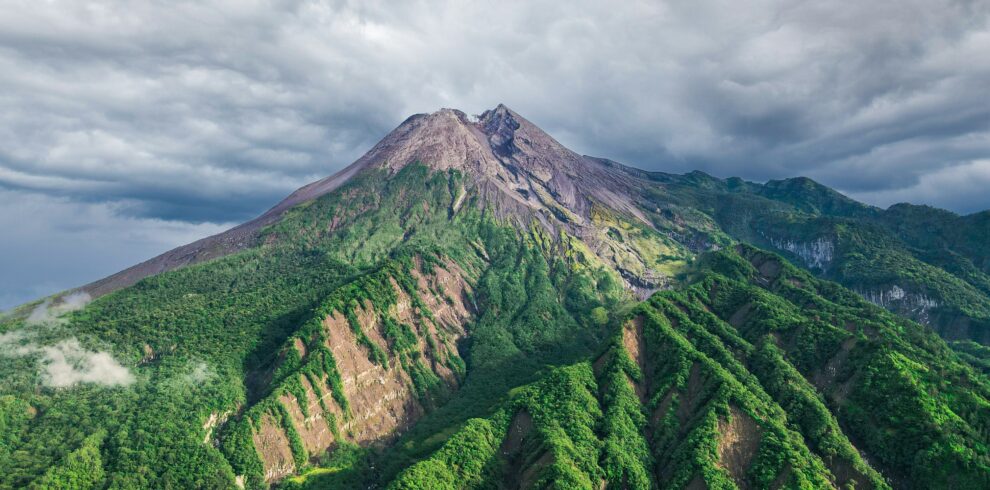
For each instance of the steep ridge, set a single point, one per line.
(516, 170)
(757, 376)
(463, 307)
(365, 368)
(930, 271)
(916, 261)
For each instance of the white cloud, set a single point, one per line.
(200, 373)
(49, 311)
(67, 362)
(41, 314)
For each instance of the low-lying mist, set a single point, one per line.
(66, 362)
(50, 311)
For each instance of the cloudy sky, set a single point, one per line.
(127, 128)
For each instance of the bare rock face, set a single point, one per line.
(513, 167)
(518, 169)
(381, 397)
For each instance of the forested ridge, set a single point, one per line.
(416, 328)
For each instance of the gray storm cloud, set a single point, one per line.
(118, 106)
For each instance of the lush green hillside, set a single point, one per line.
(756, 375)
(556, 322)
(242, 338)
(924, 263)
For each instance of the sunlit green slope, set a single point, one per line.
(560, 322)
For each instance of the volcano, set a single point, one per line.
(514, 169)
(471, 304)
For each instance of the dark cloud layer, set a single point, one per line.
(172, 117)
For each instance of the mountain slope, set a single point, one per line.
(928, 264)
(510, 167)
(472, 305)
(756, 376)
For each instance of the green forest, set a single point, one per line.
(518, 356)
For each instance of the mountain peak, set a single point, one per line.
(394, 311)
(510, 167)
(513, 162)
(500, 124)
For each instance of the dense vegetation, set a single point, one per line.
(928, 264)
(748, 373)
(804, 361)
(201, 340)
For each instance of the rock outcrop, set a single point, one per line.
(382, 398)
